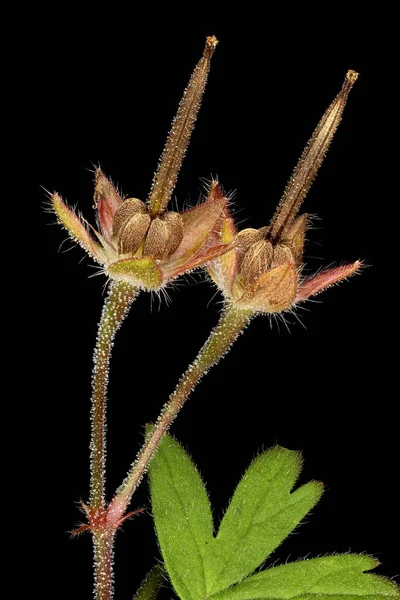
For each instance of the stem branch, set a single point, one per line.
(231, 324)
(119, 299)
(103, 555)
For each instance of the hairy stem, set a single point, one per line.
(118, 301)
(103, 554)
(231, 324)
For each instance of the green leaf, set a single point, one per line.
(182, 516)
(151, 584)
(263, 511)
(338, 577)
(260, 516)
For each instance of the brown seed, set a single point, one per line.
(247, 237)
(282, 254)
(157, 240)
(129, 208)
(256, 261)
(175, 224)
(131, 235)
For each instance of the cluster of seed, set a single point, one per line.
(137, 232)
(258, 252)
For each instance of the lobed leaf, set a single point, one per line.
(182, 516)
(151, 584)
(340, 577)
(262, 513)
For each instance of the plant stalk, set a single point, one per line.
(117, 304)
(103, 556)
(231, 324)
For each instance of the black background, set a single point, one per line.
(102, 89)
